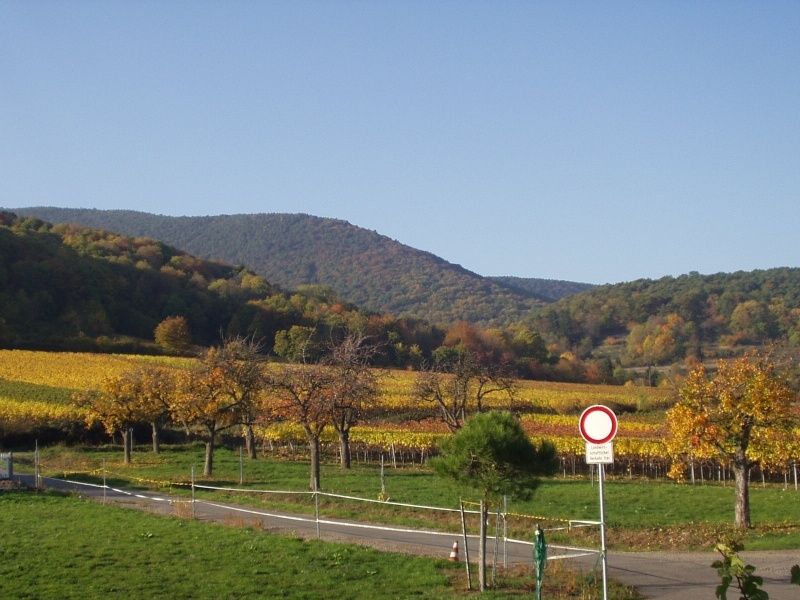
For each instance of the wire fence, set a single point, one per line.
(318, 519)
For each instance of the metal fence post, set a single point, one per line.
(193, 491)
(466, 546)
(505, 532)
(36, 469)
(316, 508)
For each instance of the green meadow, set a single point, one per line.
(63, 547)
(640, 513)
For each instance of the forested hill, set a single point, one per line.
(77, 288)
(546, 289)
(668, 319)
(365, 268)
(67, 286)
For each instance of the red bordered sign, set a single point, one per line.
(598, 424)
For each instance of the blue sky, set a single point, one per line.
(590, 141)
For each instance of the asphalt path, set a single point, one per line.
(657, 575)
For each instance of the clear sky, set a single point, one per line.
(589, 141)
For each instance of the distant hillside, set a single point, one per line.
(73, 287)
(664, 320)
(365, 268)
(67, 286)
(550, 290)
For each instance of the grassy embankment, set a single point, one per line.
(63, 547)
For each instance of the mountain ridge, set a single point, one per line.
(293, 249)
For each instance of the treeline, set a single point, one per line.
(674, 318)
(549, 290)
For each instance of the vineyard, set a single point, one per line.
(36, 390)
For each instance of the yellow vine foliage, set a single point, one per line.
(75, 370)
(20, 417)
(678, 439)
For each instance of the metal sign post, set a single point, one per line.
(603, 554)
(598, 426)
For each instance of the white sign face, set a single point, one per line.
(599, 454)
(598, 424)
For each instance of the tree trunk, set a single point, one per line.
(741, 475)
(156, 441)
(208, 467)
(250, 441)
(344, 448)
(313, 446)
(482, 547)
(126, 446)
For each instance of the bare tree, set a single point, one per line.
(355, 387)
(459, 385)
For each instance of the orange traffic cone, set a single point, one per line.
(454, 552)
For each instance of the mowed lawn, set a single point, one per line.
(64, 547)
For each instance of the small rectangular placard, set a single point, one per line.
(6, 465)
(599, 454)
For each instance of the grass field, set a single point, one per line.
(641, 514)
(60, 547)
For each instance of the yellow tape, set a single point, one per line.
(159, 482)
(538, 518)
(523, 516)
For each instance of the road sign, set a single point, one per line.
(598, 424)
(599, 454)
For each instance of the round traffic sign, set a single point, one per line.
(598, 424)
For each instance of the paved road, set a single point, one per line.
(657, 575)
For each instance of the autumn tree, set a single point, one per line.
(238, 362)
(117, 406)
(459, 383)
(210, 400)
(659, 340)
(736, 416)
(154, 390)
(305, 394)
(297, 344)
(355, 387)
(753, 322)
(173, 334)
